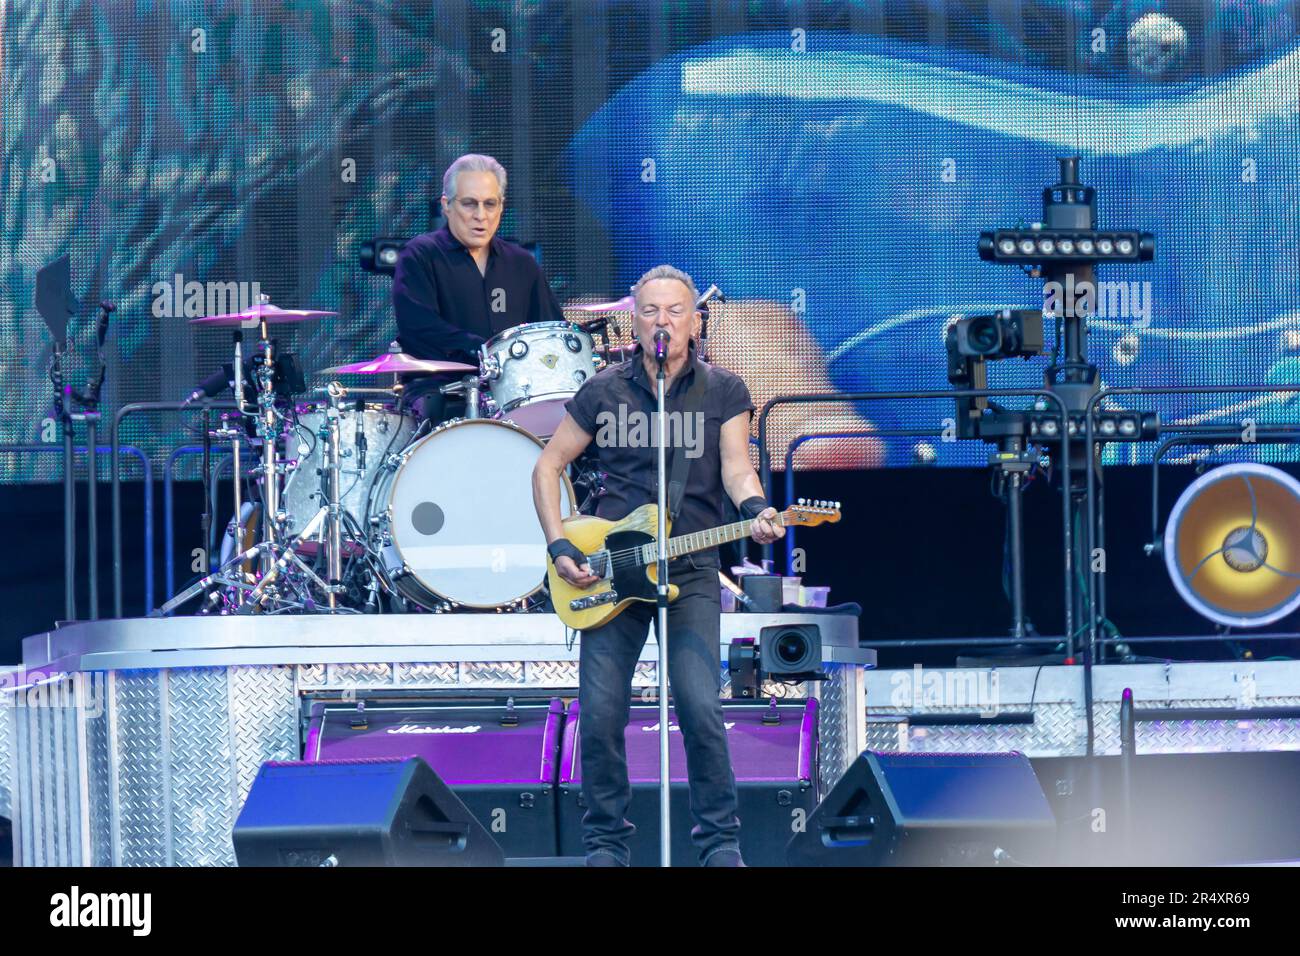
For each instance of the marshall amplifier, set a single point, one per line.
(922, 809)
(500, 760)
(384, 812)
(773, 753)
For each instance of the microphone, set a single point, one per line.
(212, 386)
(711, 294)
(661, 344)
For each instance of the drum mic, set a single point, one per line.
(711, 294)
(661, 344)
(212, 386)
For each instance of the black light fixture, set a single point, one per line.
(379, 255)
(1033, 246)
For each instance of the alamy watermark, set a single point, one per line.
(1104, 300)
(179, 298)
(37, 690)
(969, 688)
(633, 428)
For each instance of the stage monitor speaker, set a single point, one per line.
(368, 812)
(500, 760)
(906, 809)
(1232, 545)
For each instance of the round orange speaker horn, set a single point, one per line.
(1232, 545)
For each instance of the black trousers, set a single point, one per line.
(607, 660)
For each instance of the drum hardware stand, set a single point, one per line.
(264, 591)
(269, 470)
(469, 388)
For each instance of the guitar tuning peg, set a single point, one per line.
(802, 501)
(837, 506)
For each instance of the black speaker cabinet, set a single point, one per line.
(366, 812)
(905, 809)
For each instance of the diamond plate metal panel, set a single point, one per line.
(1201, 736)
(439, 674)
(833, 697)
(311, 675)
(199, 767)
(1054, 732)
(367, 675)
(6, 753)
(136, 729)
(551, 673)
(99, 781)
(491, 672)
(645, 674)
(263, 719)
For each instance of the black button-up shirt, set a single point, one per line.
(611, 405)
(446, 308)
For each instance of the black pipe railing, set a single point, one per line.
(114, 446)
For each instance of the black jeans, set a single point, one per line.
(607, 660)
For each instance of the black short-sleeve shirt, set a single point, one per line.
(616, 408)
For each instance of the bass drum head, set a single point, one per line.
(460, 513)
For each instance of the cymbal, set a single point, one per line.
(625, 304)
(272, 314)
(397, 363)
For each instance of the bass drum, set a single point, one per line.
(458, 516)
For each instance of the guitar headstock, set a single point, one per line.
(811, 513)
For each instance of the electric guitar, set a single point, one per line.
(624, 555)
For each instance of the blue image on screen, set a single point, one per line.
(857, 174)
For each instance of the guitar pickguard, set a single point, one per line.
(629, 579)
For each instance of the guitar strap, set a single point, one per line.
(680, 467)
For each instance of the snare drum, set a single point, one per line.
(532, 370)
(458, 519)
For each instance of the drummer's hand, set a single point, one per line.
(765, 530)
(579, 577)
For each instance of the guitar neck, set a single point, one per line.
(711, 538)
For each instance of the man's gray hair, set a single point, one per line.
(472, 163)
(667, 272)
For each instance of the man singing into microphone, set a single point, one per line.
(458, 286)
(665, 300)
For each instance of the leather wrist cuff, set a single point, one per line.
(563, 546)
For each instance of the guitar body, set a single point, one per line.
(628, 580)
(630, 574)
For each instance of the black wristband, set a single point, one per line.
(753, 507)
(563, 546)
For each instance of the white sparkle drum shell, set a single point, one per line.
(460, 514)
(385, 430)
(532, 370)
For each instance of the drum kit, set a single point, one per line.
(362, 507)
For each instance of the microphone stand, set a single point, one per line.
(661, 603)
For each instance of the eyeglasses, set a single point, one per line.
(490, 206)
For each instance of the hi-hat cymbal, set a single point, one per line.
(397, 363)
(273, 315)
(625, 304)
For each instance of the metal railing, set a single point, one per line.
(116, 478)
(765, 461)
(93, 463)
